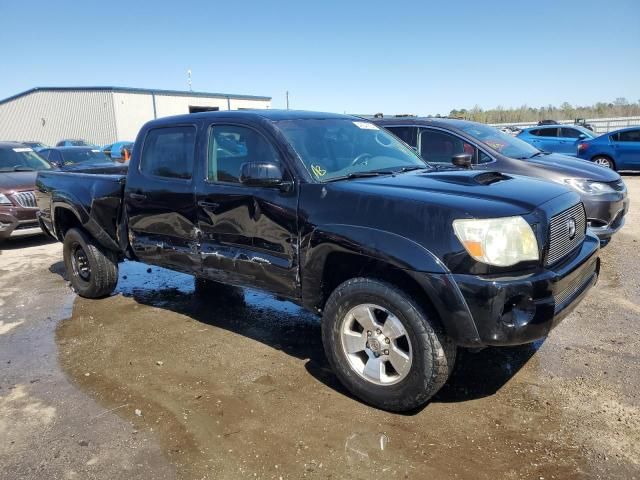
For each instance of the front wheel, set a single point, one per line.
(383, 347)
(604, 162)
(93, 271)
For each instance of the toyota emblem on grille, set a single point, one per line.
(571, 228)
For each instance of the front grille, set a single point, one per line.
(560, 241)
(26, 199)
(572, 290)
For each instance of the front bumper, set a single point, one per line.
(16, 222)
(606, 213)
(498, 310)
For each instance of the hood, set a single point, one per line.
(17, 181)
(571, 167)
(477, 193)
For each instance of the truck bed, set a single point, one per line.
(94, 200)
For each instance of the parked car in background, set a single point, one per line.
(603, 192)
(404, 262)
(557, 139)
(617, 150)
(19, 166)
(121, 151)
(63, 157)
(74, 143)
(548, 122)
(37, 146)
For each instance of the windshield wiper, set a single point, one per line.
(352, 175)
(19, 168)
(541, 152)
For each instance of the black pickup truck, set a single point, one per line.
(404, 262)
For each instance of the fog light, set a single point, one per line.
(518, 311)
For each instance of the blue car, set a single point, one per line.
(618, 150)
(556, 138)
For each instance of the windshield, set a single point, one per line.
(83, 155)
(335, 147)
(586, 131)
(502, 142)
(21, 160)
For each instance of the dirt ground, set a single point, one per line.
(154, 382)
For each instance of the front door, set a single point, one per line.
(248, 234)
(160, 200)
(568, 141)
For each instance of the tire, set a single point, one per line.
(604, 162)
(431, 353)
(92, 270)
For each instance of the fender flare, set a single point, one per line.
(391, 248)
(68, 203)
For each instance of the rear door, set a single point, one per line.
(248, 234)
(627, 149)
(160, 200)
(546, 139)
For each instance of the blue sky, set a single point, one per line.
(422, 57)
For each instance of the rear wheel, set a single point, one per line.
(92, 270)
(604, 162)
(382, 345)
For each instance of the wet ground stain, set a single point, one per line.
(237, 386)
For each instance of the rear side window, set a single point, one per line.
(534, 132)
(548, 132)
(169, 152)
(408, 135)
(230, 146)
(629, 136)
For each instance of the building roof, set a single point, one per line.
(154, 91)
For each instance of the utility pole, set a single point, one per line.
(189, 79)
(287, 99)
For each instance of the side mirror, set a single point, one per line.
(462, 160)
(262, 174)
(582, 136)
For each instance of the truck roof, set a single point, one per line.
(257, 113)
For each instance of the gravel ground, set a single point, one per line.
(154, 382)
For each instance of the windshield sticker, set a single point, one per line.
(318, 171)
(22, 150)
(366, 125)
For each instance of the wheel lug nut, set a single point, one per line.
(387, 341)
(368, 333)
(386, 352)
(378, 331)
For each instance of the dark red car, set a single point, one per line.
(19, 166)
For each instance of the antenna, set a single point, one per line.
(287, 99)
(189, 79)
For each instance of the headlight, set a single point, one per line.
(590, 187)
(497, 241)
(4, 200)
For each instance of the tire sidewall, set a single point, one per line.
(416, 383)
(72, 238)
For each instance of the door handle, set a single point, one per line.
(137, 196)
(205, 204)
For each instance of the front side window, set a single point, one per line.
(570, 133)
(21, 159)
(440, 147)
(408, 135)
(169, 152)
(501, 142)
(548, 132)
(629, 136)
(333, 148)
(230, 146)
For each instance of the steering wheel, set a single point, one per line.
(361, 159)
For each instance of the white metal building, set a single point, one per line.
(103, 115)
